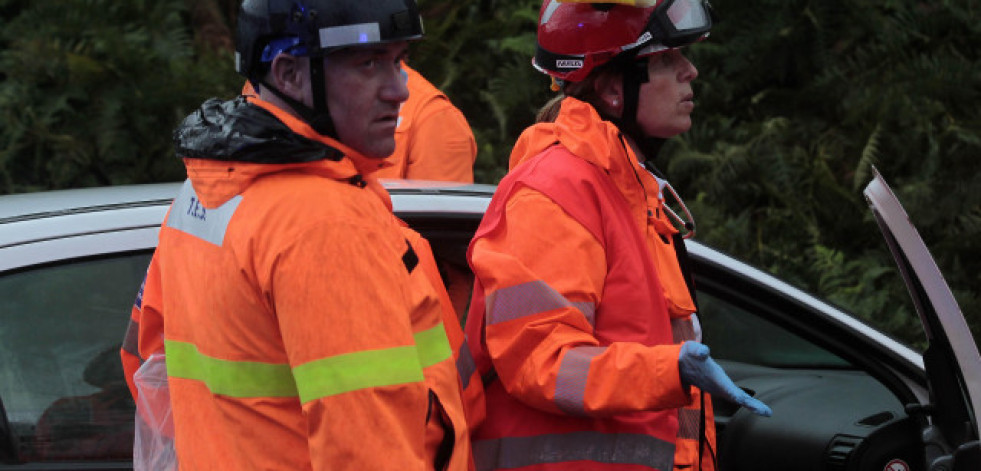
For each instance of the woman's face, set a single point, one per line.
(665, 101)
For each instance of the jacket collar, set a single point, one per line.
(581, 130)
(226, 146)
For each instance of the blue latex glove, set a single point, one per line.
(697, 368)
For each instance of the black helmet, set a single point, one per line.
(315, 27)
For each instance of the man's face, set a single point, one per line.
(365, 87)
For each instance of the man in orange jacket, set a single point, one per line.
(302, 323)
(433, 140)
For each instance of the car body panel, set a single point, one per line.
(953, 364)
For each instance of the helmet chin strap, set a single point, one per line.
(634, 75)
(317, 117)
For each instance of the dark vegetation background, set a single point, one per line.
(797, 100)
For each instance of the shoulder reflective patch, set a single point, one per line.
(227, 377)
(611, 448)
(348, 35)
(189, 216)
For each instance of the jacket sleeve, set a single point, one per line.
(340, 293)
(541, 288)
(441, 145)
(144, 334)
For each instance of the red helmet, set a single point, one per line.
(574, 36)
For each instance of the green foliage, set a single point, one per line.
(798, 101)
(93, 89)
(479, 53)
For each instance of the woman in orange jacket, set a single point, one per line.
(583, 321)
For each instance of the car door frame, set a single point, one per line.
(952, 361)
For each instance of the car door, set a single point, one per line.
(952, 362)
(71, 263)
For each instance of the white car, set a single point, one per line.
(844, 395)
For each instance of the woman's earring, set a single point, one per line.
(616, 102)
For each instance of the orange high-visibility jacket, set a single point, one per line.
(580, 308)
(433, 140)
(299, 317)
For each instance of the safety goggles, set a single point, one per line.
(676, 23)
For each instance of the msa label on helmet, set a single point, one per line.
(350, 35)
(568, 64)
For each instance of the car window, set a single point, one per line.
(738, 334)
(61, 380)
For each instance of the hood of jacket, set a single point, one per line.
(581, 130)
(226, 145)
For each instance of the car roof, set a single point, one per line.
(24, 206)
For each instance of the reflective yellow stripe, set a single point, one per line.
(226, 377)
(433, 346)
(350, 371)
(313, 380)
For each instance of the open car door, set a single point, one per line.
(953, 365)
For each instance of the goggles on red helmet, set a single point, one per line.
(677, 23)
(670, 24)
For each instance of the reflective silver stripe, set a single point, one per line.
(682, 329)
(688, 421)
(465, 366)
(131, 341)
(570, 384)
(188, 215)
(623, 448)
(347, 35)
(530, 298)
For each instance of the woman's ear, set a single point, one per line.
(609, 88)
(289, 75)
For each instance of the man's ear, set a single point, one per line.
(609, 88)
(289, 75)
